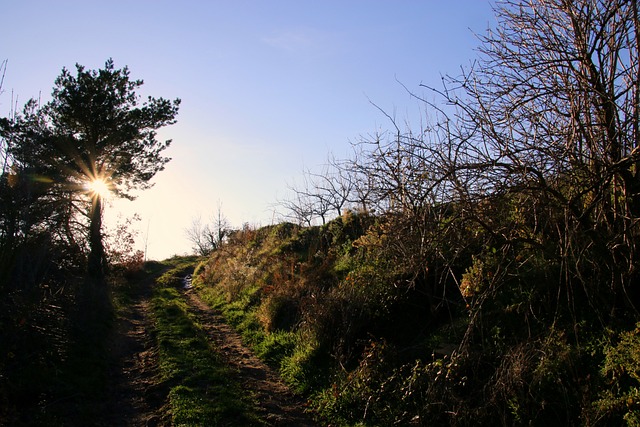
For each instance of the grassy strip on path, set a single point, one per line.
(201, 389)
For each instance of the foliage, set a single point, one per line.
(53, 368)
(307, 299)
(487, 271)
(93, 129)
(119, 248)
(620, 398)
(509, 221)
(55, 298)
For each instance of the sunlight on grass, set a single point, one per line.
(202, 392)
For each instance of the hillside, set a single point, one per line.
(358, 338)
(371, 342)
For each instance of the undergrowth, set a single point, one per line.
(373, 340)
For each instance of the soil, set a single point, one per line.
(276, 404)
(138, 397)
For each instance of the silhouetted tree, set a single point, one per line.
(550, 113)
(95, 129)
(323, 194)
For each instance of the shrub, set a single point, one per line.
(620, 399)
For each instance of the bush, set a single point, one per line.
(620, 399)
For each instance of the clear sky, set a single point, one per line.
(268, 88)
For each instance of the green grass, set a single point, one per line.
(297, 360)
(201, 388)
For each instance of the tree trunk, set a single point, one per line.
(94, 303)
(96, 261)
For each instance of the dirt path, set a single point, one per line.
(136, 395)
(276, 404)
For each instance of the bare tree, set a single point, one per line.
(206, 238)
(324, 194)
(303, 207)
(550, 113)
(199, 236)
(333, 185)
(398, 175)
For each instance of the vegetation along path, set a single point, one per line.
(276, 404)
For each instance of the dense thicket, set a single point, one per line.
(495, 275)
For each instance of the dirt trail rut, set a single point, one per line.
(276, 404)
(137, 396)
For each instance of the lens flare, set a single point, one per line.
(98, 188)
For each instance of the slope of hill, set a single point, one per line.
(371, 341)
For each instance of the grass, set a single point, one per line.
(201, 391)
(55, 369)
(294, 358)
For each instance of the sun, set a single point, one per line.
(98, 187)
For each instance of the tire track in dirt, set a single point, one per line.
(136, 395)
(276, 404)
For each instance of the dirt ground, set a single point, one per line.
(138, 397)
(276, 404)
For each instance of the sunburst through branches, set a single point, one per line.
(98, 187)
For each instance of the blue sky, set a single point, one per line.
(268, 88)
